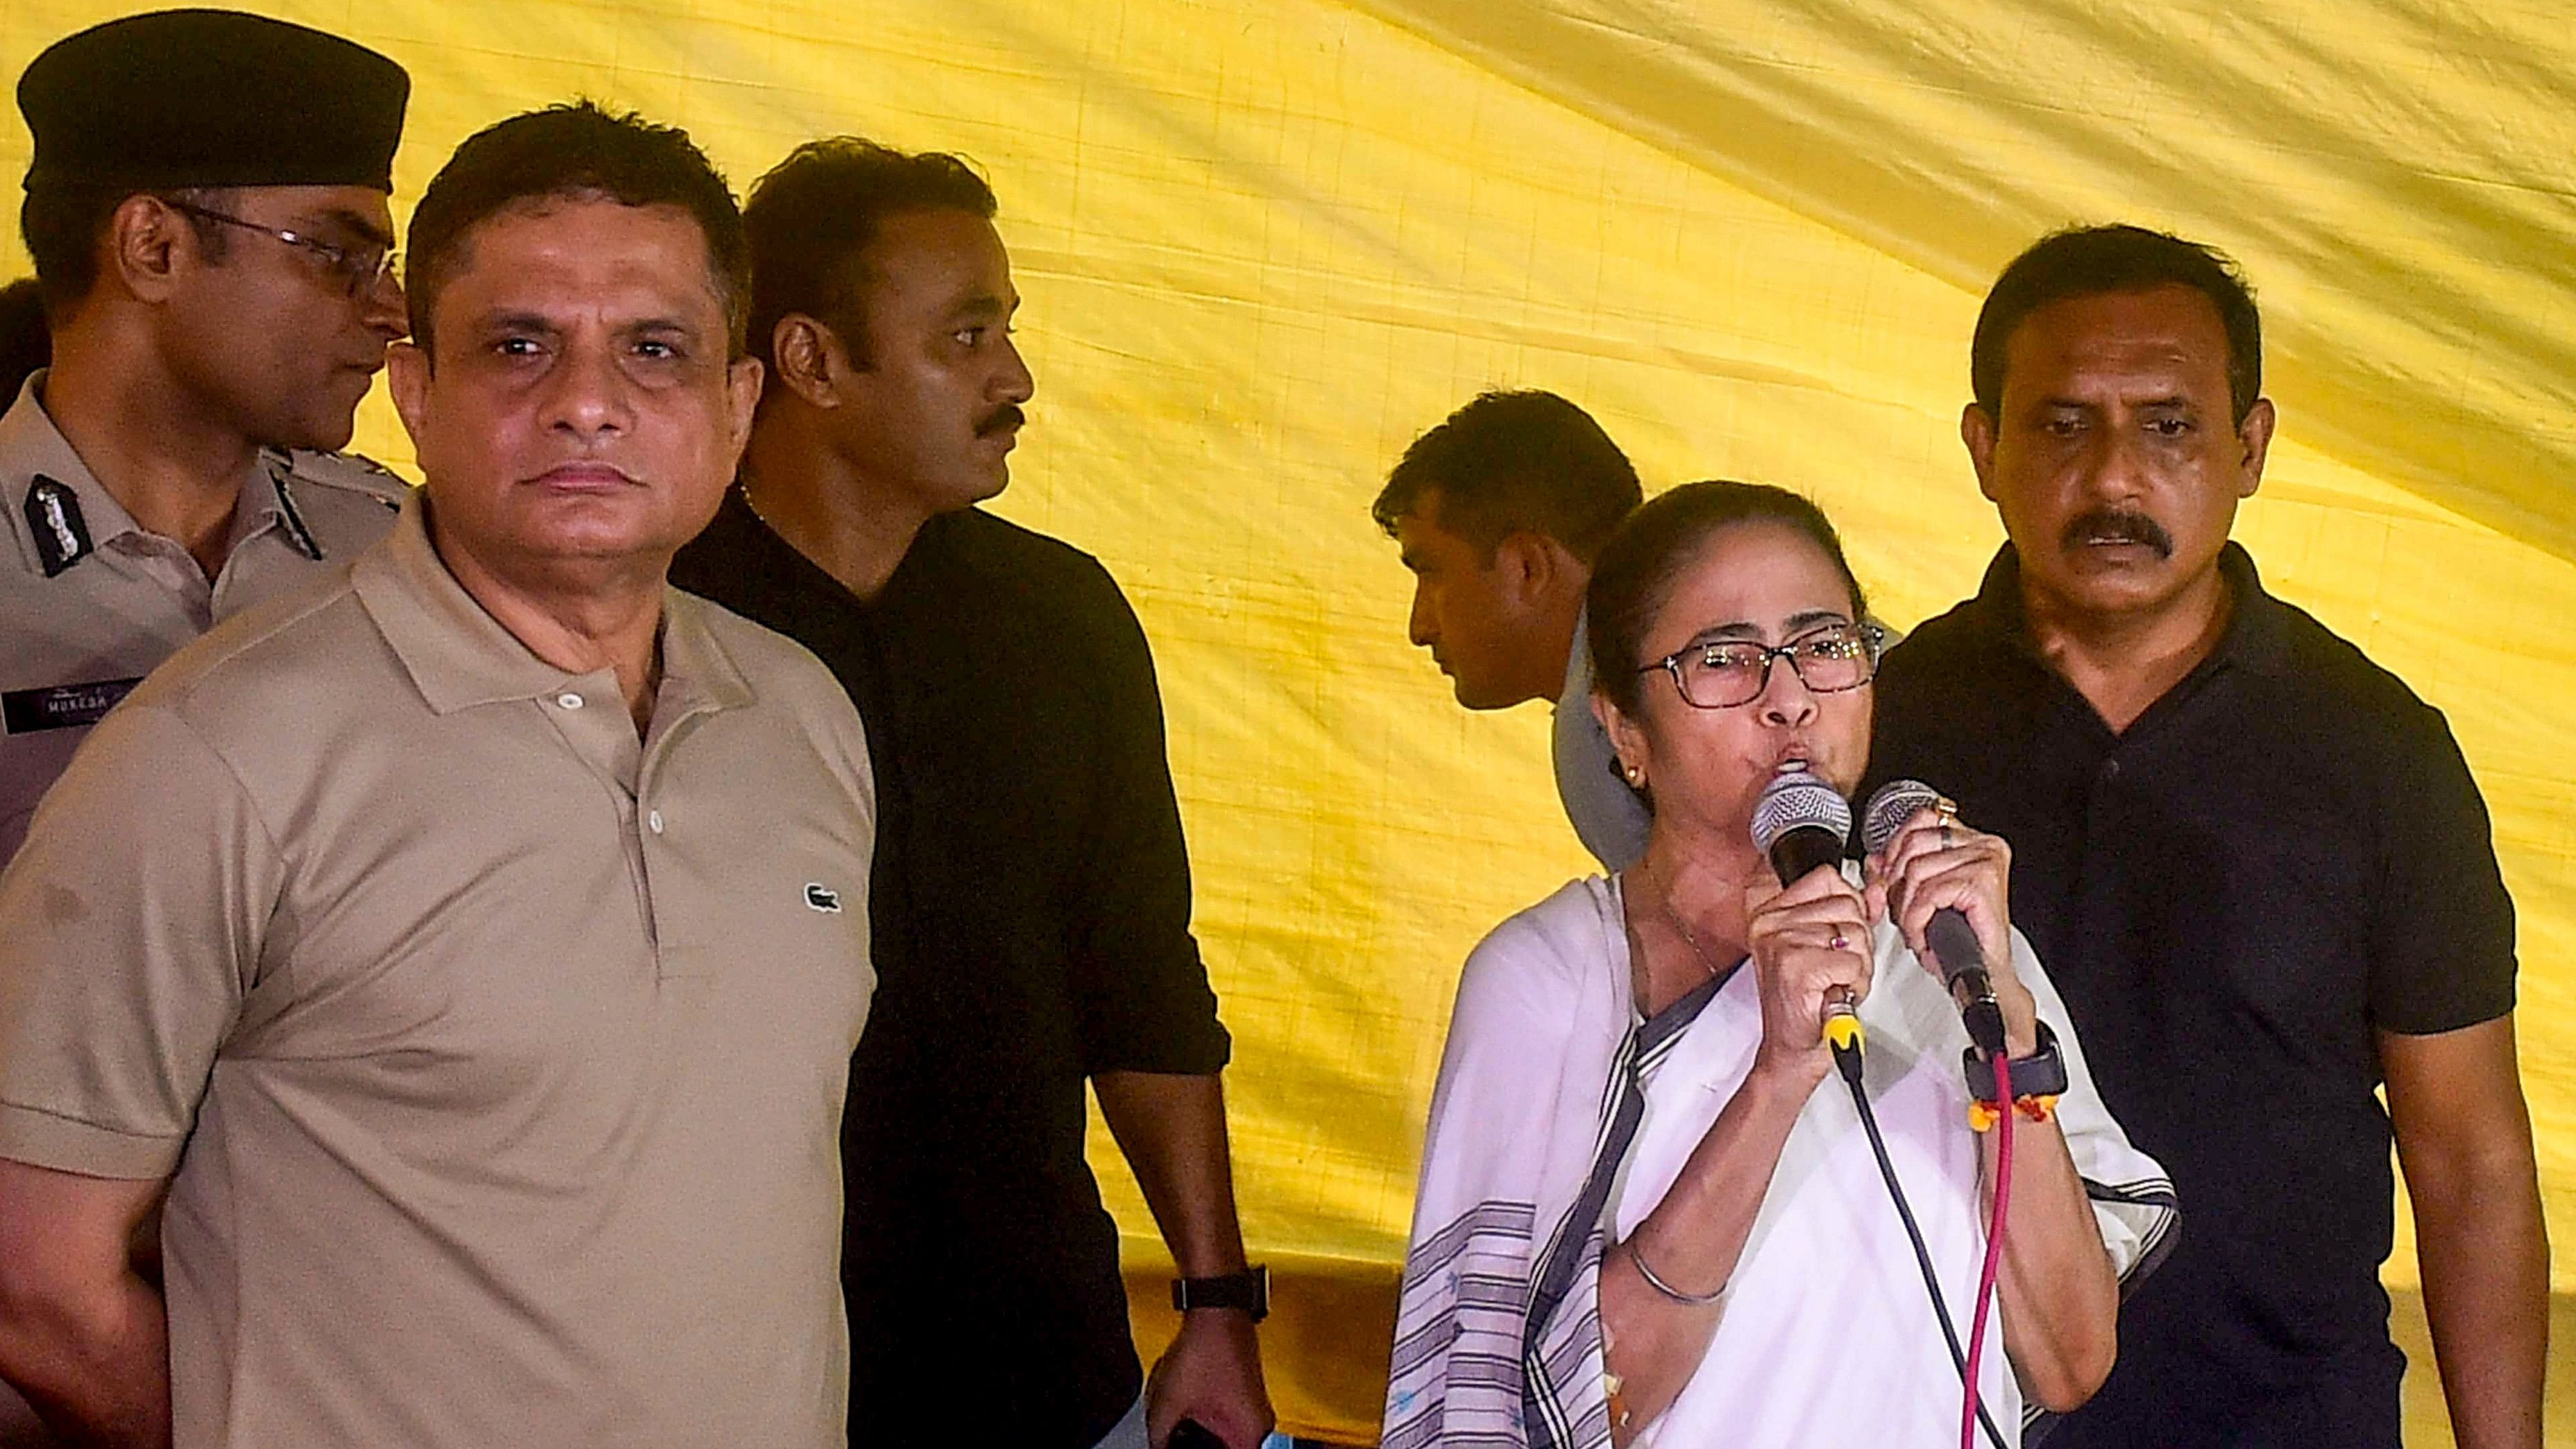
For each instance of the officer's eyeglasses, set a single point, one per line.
(1731, 672)
(360, 269)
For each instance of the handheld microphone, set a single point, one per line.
(1800, 823)
(1953, 941)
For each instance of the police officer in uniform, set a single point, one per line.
(209, 214)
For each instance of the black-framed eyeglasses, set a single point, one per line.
(360, 269)
(1725, 673)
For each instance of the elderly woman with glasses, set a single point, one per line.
(1649, 1211)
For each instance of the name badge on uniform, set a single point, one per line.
(54, 517)
(62, 706)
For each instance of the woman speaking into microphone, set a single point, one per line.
(1653, 1208)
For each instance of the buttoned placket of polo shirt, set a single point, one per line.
(590, 712)
(463, 657)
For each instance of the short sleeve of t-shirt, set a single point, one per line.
(2442, 954)
(130, 926)
(1140, 986)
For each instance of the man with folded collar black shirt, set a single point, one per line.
(2256, 865)
(1031, 895)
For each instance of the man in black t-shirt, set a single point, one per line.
(1030, 898)
(2255, 864)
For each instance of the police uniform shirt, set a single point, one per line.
(1608, 817)
(90, 602)
(499, 1053)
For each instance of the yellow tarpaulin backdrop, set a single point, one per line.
(1264, 244)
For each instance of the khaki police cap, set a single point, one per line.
(211, 98)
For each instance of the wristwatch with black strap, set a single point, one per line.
(2041, 1074)
(1248, 1290)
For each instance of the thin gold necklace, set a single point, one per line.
(1690, 938)
(742, 485)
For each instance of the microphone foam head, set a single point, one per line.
(1798, 800)
(1890, 806)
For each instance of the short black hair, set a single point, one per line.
(26, 343)
(63, 222)
(2092, 260)
(812, 217)
(1643, 561)
(575, 151)
(1514, 461)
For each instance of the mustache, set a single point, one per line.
(1008, 415)
(2116, 525)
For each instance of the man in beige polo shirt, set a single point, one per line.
(474, 945)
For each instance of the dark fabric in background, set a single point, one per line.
(2282, 857)
(1031, 905)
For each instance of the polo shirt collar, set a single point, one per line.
(697, 674)
(2257, 637)
(59, 514)
(459, 656)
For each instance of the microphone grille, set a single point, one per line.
(1890, 806)
(1796, 801)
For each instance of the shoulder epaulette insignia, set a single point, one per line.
(350, 473)
(287, 513)
(54, 516)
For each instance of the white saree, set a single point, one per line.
(1559, 1121)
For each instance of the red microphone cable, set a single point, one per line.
(1994, 1245)
(1849, 1060)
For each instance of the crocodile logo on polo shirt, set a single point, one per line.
(822, 899)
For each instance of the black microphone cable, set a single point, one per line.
(1850, 1063)
(1799, 824)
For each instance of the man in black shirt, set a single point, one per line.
(1031, 897)
(2255, 864)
